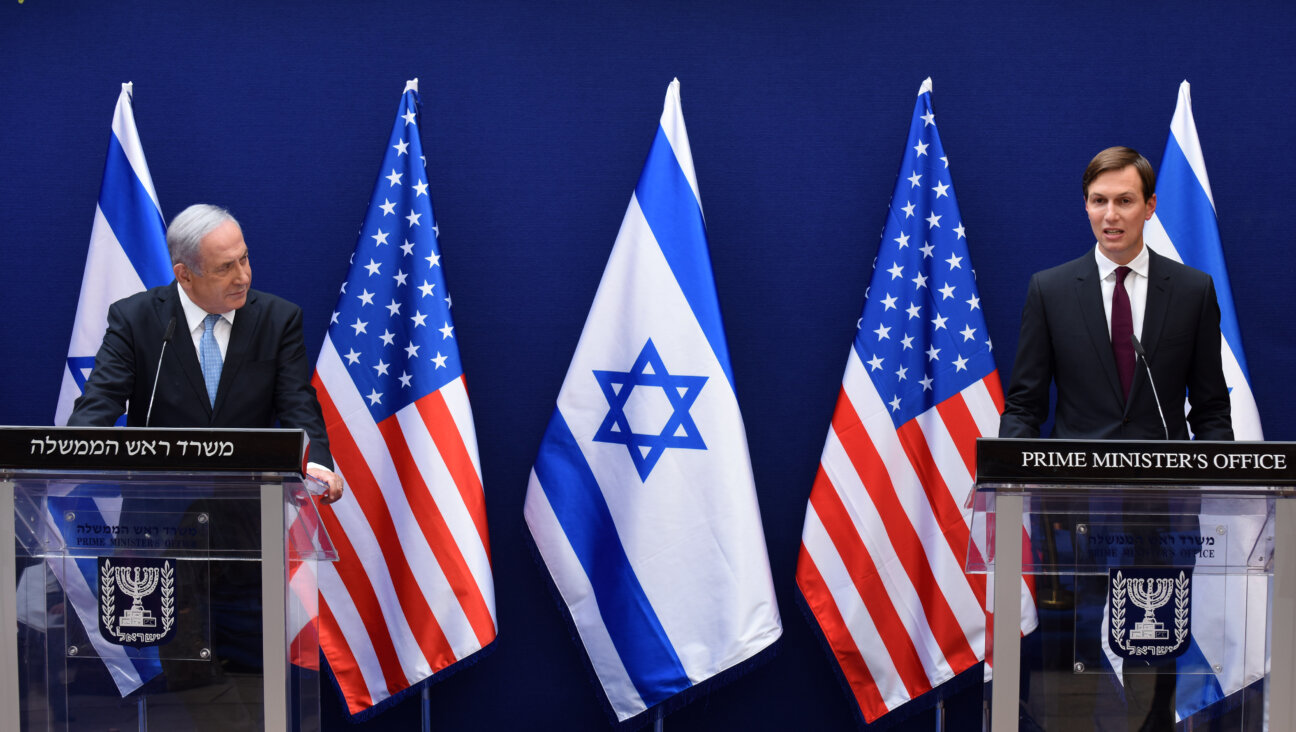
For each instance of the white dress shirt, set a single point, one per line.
(1136, 284)
(194, 317)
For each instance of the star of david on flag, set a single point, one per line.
(679, 431)
(887, 531)
(641, 502)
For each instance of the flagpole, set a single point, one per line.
(427, 709)
(10, 707)
(658, 720)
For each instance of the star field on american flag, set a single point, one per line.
(392, 324)
(923, 335)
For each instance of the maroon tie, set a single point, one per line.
(1122, 330)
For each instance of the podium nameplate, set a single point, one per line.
(151, 449)
(1144, 462)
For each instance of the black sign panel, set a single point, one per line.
(1137, 462)
(147, 449)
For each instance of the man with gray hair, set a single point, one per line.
(243, 365)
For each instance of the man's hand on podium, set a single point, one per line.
(333, 483)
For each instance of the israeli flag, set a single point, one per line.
(642, 503)
(1185, 228)
(127, 254)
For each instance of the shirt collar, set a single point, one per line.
(194, 315)
(1139, 264)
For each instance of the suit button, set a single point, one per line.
(1125, 421)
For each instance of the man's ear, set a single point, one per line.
(182, 273)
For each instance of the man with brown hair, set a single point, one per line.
(1079, 318)
(1081, 329)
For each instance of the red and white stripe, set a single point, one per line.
(303, 590)
(884, 549)
(412, 591)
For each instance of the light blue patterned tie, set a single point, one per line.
(211, 356)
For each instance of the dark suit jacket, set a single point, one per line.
(266, 376)
(1064, 340)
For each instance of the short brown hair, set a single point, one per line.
(1119, 158)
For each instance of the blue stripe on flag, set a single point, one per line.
(640, 640)
(145, 660)
(675, 217)
(133, 218)
(1198, 688)
(1189, 220)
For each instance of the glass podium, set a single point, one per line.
(1158, 573)
(158, 577)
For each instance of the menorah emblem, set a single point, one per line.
(138, 582)
(1150, 594)
(149, 584)
(1150, 640)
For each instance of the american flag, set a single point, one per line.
(412, 593)
(886, 532)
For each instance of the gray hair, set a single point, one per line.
(187, 230)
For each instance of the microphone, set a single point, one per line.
(1142, 354)
(157, 375)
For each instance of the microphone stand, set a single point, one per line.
(157, 374)
(1138, 349)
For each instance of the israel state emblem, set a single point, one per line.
(1150, 613)
(137, 601)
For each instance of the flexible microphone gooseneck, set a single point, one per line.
(1138, 349)
(166, 338)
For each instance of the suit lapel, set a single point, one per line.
(1089, 294)
(245, 325)
(1158, 301)
(168, 305)
(1155, 308)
